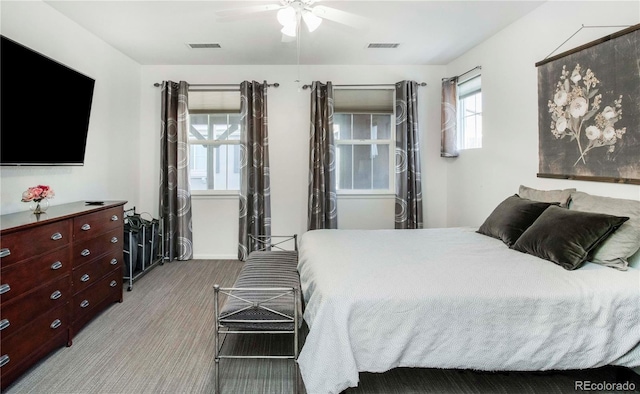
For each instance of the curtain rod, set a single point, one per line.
(466, 72)
(275, 85)
(364, 85)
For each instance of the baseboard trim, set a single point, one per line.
(215, 257)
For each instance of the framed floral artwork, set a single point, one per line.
(589, 111)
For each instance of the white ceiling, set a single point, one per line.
(157, 32)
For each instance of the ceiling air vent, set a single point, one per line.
(204, 46)
(383, 45)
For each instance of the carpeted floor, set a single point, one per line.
(160, 340)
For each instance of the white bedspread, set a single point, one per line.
(452, 298)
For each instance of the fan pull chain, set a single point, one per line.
(298, 53)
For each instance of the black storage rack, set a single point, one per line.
(139, 255)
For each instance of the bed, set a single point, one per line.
(456, 299)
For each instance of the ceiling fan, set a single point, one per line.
(293, 13)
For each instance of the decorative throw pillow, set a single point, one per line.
(560, 196)
(621, 245)
(634, 261)
(566, 237)
(511, 218)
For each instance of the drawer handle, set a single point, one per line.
(4, 288)
(114, 240)
(55, 324)
(56, 236)
(114, 218)
(85, 227)
(113, 261)
(84, 304)
(4, 360)
(113, 283)
(4, 252)
(4, 323)
(84, 278)
(85, 253)
(56, 266)
(55, 295)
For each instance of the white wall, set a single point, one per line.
(479, 179)
(111, 164)
(123, 146)
(215, 219)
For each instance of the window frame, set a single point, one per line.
(391, 142)
(462, 117)
(214, 144)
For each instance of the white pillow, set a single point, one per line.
(625, 241)
(560, 196)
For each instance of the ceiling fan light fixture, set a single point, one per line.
(287, 16)
(290, 30)
(311, 20)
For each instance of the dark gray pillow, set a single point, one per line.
(511, 218)
(567, 237)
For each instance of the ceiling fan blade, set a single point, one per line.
(343, 17)
(232, 12)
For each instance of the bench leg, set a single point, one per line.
(216, 388)
(296, 381)
(216, 358)
(296, 378)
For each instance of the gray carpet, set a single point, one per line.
(159, 340)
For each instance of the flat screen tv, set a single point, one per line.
(44, 109)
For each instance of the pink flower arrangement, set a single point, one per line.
(37, 193)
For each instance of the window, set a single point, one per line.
(470, 113)
(363, 129)
(214, 140)
(214, 144)
(363, 143)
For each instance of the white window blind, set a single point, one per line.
(469, 86)
(363, 100)
(216, 101)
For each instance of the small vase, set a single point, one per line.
(39, 206)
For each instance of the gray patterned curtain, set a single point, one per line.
(408, 177)
(322, 212)
(255, 192)
(175, 194)
(449, 118)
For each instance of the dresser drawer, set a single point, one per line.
(109, 287)
(86, 251)
(23, 244)
(87, 274)
(13, 370)
(20, 278)
(92, 224)
(18, 347)
(18, 313)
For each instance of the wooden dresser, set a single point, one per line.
(58, 270)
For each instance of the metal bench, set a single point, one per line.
(265, 299)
